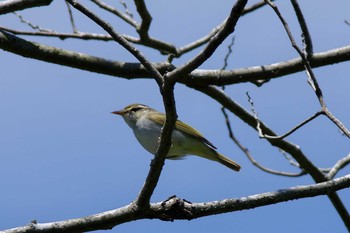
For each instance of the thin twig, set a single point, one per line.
(295, 128)
(249, 155)
(33, 26)
(254, 7)
(338, 166)
(292, 149)
(215, 41)
(61, 35)
(291, 160)
(306, 35)
(114, 11)
(197, 43)
(120, 39)
(71, 18)
(234, 138)
(153, 43)
(312, 78)
(126, 8)
(228, 54)
(336, 121)
(144, 27)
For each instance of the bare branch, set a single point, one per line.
(101, 65)
(167, 91)
(146, 18)
(144, 197)
(306, 35)
(215, 41)
(118, 38)
(228, 55)
(126, 8)
(82, 61)
(35, 27)
(263, 135)
(71, 18)
(294, 128)
(229, 205)
(250, 157)
(114, 11)
(286, 146)
(338, 166)
(153, 43)
(143, 29)
(263, 73)
(206, 38)
(201, 41)
(248, 118)
(234, 138)
(254, 7)
(312, 78)
(10, 6)
(336, 121)
(175, 208)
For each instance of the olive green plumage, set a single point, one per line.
(147, 123)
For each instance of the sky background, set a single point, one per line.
(63, 155)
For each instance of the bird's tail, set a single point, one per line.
(228, 162)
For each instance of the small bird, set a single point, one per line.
(147, 124)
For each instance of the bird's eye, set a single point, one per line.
(135, 109)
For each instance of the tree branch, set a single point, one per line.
(152, 43)
(250, 157)
(214, 43)
(338, 166)
(306, 34)
(81, 61)
(293, 150)
(144, 27)
(10, 6)
(206, 38)
(146, 192)
(311, 76)
(196, 210)
(167, 91)
(263, 135)
(199, 78)
(264, 73)
(114, 11)
(120, 39)
(71, 19)
(175, 208)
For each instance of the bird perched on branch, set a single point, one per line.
(147, 124)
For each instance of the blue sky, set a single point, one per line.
(63, 155)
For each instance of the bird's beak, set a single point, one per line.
(118, 113)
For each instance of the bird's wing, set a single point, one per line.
(181, 126)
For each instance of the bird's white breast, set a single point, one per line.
(148, 133)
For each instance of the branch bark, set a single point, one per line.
(264, 73)
(177, 209)
(290, 148)
(128, 70)
(10, 6)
